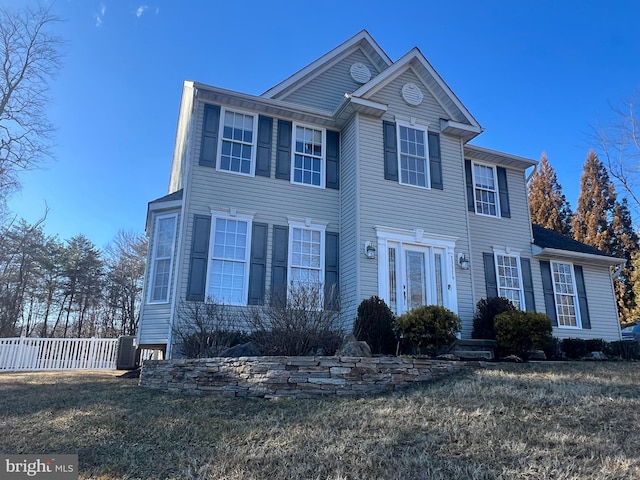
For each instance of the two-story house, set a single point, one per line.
(356, 174)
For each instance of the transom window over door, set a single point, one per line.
(413, 158)
(237, 152)
(229, 261)
(485, 189)
(509, 278)
(565, 294)
(308, 166)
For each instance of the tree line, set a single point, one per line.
(601, 219)
(55, 288)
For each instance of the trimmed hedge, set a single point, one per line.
(430, 329)
(486, 311)
(517, 333)
(374, 325)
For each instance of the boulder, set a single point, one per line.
(512, 358)
(352, 347)
(448, 356)
(596, 356)
(245, 350)
(537, 355)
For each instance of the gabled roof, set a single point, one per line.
(481, 154)
(415, 60)
(361, 40)
(552, 243)
(177, 195)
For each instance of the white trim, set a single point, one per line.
(154, 258)
(254, 144)
(497, 188)
(587, 258)
(418, 127)
(514, 253)
(576, 300)
(230, 215)
(323, 158)
(164, 205)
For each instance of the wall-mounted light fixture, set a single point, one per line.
(369, 249)
(463, 261)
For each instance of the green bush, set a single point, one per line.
(486, 311)
(517, 333)
(374, 325)
(624, 349)
(430, 329)
(574, 348)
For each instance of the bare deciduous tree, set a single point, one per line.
(29, 59)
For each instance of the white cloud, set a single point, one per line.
(141, 9)
(100, 16)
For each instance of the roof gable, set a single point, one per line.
(551, 241)
(362, 40)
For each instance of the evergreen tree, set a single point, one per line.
(624, 245)
(549, 207)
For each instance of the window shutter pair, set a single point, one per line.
(210, 132)
(491, 280)
(390, 139)
(503, 190)
(550, 300)
(283, 155)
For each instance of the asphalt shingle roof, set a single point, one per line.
(545, 238)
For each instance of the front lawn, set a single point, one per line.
(529, 421)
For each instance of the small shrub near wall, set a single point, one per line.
(486, 311)
(517, 333)
(430, 329)
(374, 325)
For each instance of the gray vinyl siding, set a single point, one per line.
(271, 200)
(350, 249)
(513, 233)
(183, 131)
(155, 318)
(327, 90)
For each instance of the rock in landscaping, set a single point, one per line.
(245, 350)
(537, 355)
(512, 358)
(448, 356)
(596, 356)
(354, 348)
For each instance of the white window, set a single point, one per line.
(485, 189)
(564, 289)
(164, 238)
(229, 272)
(308, 165)
(306, 256)
(509, 278)
(237, 142)
(414, 158)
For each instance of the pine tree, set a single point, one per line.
(624, 245)
(549, 207)
(592, 219)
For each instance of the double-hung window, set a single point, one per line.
(162, 259)
(306, 257)
(564, 290)
(238, 142)
(485, 189)
(509, 278)
(308, 165)
(413, 156)
(229, 273)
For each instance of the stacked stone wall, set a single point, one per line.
(294, 377)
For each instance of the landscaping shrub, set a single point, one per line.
(623, 349)
(374, 325)
(517, 333)
(430, 329)
(486, 311)
(574, 348)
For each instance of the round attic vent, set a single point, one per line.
(412, 94)
(360, 73)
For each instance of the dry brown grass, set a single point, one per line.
(531, 421)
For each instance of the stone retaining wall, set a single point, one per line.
(294, 377)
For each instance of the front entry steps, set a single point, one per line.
(475, 349)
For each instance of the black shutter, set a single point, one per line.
(279, 264)
(331, 281)
(199, 258)
(547, 288)
(333, 159)
(503, 190)
(210, 124)
(258, 264)
(527, 283)
(582, 297)
(390, 150)
(283, 151)
(490, 275)
(435, 163)
(263, 153)
(471, 204)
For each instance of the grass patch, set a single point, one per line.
(528, 421)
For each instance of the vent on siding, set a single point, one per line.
(360, 72)
(412, 94)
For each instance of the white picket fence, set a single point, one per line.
(58, 353)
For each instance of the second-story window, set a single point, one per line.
(414, 160)
(308, 166)
(485, 189)
(237, 142)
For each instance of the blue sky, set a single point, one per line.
(538, 75)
